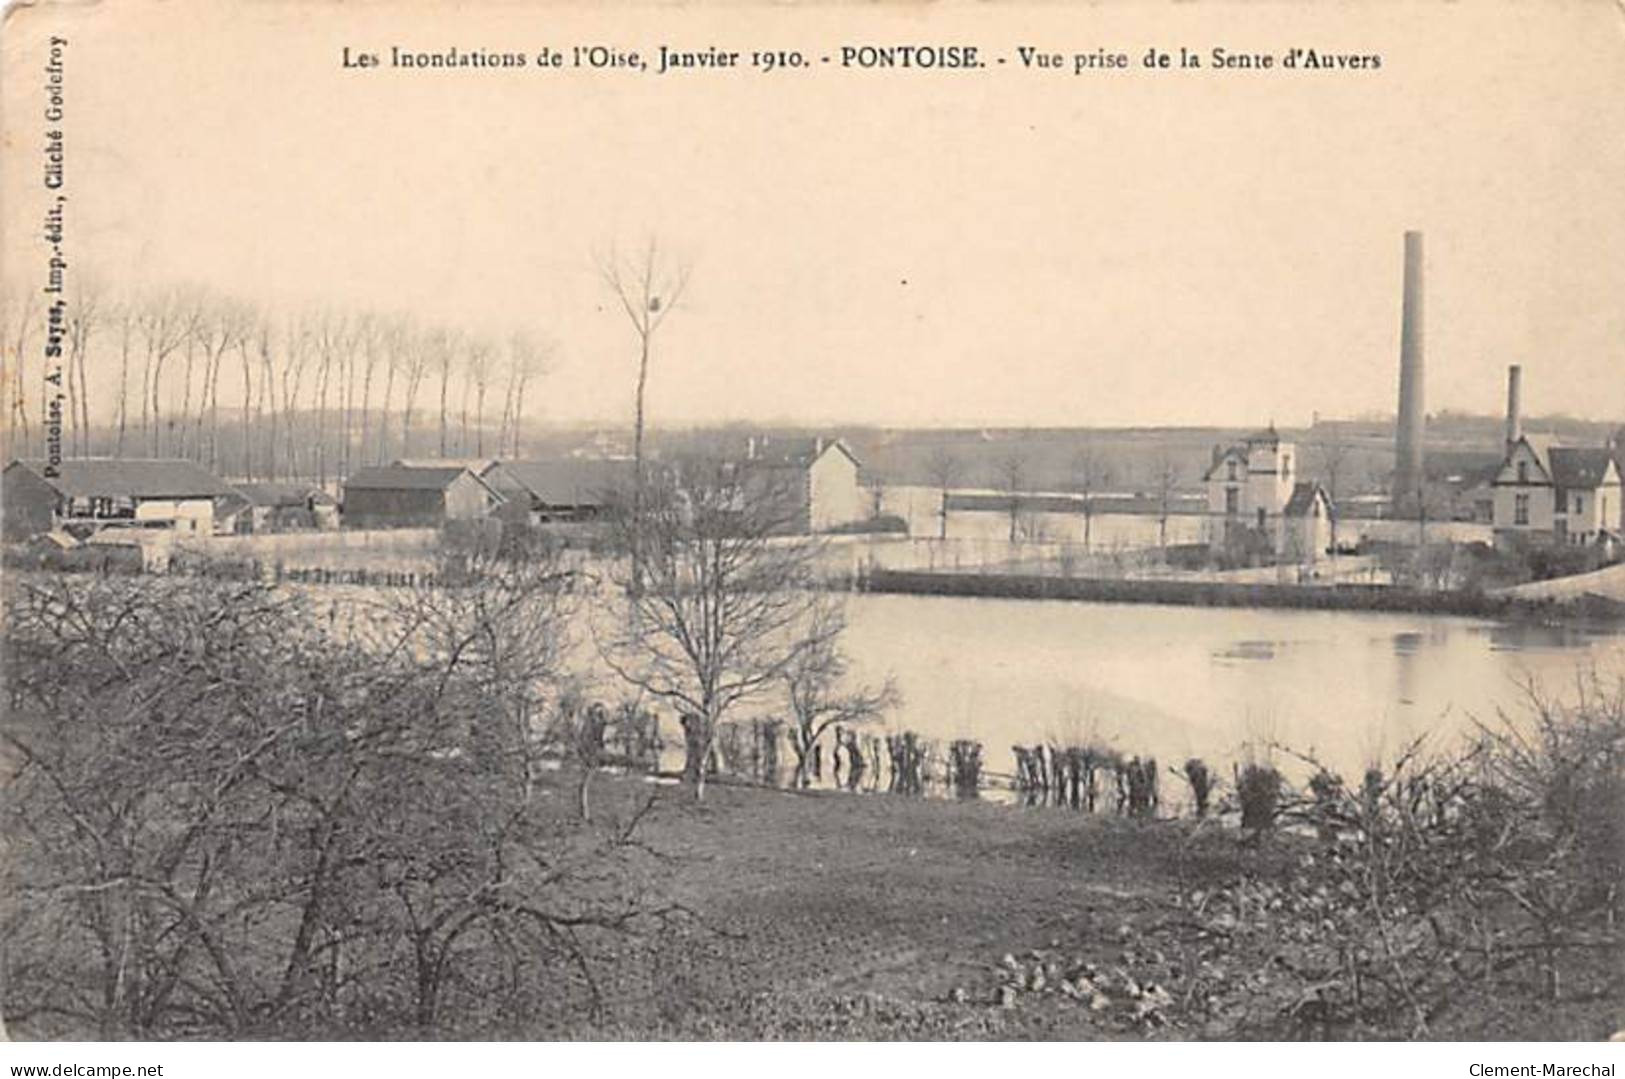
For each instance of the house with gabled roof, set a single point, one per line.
(1257, 504)
(86, 494)
(1306, 524)
(398, 496)
(816, 477)
(1567, 496)
(285, 507)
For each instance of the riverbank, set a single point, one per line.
(823, 916)
(1349, 597)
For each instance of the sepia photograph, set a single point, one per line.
(829, 522)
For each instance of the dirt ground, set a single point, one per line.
(824, 915)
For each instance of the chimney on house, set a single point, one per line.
(1514, 404)
(1408, 432)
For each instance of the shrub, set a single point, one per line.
(1259, 788)
(1495, 869)
(965, 767)
(1201, 780)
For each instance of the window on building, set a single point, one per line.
(1286, 466)
(1520, 509)
(1232, 469)
(1232, 503)
(1577, 503)
(1523, 471)
(1261, 517)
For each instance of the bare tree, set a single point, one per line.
(393, 341)
(293, 823)
(1011, 476)
(127, 318)
(251, 338)
(196, 313)
(1089, 474)
(296, 342)
(818, 698)
(477, 360)
(224, 325)
(442, 359)
(417, 353)
(720, 603)
(943, 468)
(1167, 477)
(84, 319)
(526, 359)
(1334, 460)
(333, 340)
(21, 310)
(648, 289)
(166, 322)
(372, 333)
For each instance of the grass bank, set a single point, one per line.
(877, 917)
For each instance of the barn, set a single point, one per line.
(86, 494)
(564, 489)
(286, 507)
(397, 496)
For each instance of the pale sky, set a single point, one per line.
(997, 247)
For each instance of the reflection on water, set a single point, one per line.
(1518, 637)
(1177, 682)
(1248, 650)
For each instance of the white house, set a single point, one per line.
(1256, 503)
(819, 476)
(1306, 524)
(1556, 495)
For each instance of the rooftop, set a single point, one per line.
(403, 478)
(111, 477)
(1578, 467)
(571, 481)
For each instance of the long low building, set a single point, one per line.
(90, 493)
(563, 489)
(402, 496)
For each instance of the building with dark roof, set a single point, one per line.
(286, 507)
(397, 496)
(1557, 495)
(817, 477)
(86, 494)
(561, 489)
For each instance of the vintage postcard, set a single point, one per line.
(817, 522)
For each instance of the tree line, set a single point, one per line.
(253, 392)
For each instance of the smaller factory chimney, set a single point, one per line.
(1514, 404)
(1412, 418)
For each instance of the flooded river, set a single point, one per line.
(1175, 682)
